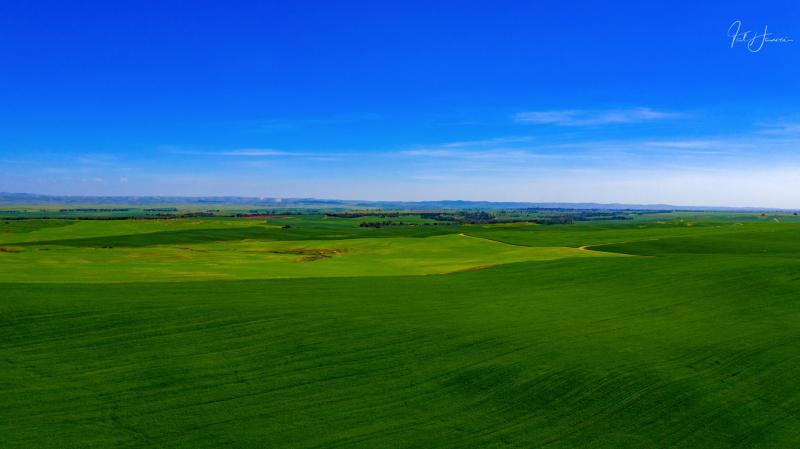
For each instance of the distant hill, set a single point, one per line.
(23, 199)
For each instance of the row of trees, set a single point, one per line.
(363, 214)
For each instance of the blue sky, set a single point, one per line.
(639, 102)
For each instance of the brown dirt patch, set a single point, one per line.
(317, 254)
(308, 255)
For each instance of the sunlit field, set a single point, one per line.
(309, 331)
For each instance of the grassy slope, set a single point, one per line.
(254, 259)
(603, 233)
(772, 241)
(687, 349)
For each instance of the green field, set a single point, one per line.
(308, 331)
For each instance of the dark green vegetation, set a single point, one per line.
(691, 342)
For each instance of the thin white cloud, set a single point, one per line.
(593, 117)
(99, 160)
(250, 152)
(473, 154)
(699, 147)
(686, 144)
(721, 151)
(56, 170)
(515, 147)
(427, 152)
(781, 128)
(488, 142)
(276, 125)
(244, 152)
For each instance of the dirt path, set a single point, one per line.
(493, 240)
(580, 248)
(594, 245)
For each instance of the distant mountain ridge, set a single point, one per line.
(29, 199)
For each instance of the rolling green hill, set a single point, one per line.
(504, 337)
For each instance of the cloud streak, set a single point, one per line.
(247, 152)
(256, 152)
(498, 148)
(593, 117)
(782, 128)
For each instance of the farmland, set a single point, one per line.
(312, 331)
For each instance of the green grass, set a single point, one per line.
(18, 231)
(691, 342)
(772, 241)
(257, 259)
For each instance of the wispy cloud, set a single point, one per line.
(239, 152)
(499, 147)
(781, 128)
(593, 117)
(100, 160)
(274, 125)
(515, 147)
(674, 153)
(253, 154)
(700, 146)
(57, 170)
(686, 144)
(256, 152)
(488, 142)
(472, 154)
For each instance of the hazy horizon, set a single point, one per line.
(108, 199)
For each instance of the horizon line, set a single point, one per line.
(53, 199)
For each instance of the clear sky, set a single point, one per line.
(638, 102)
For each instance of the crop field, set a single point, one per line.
(677, 330)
